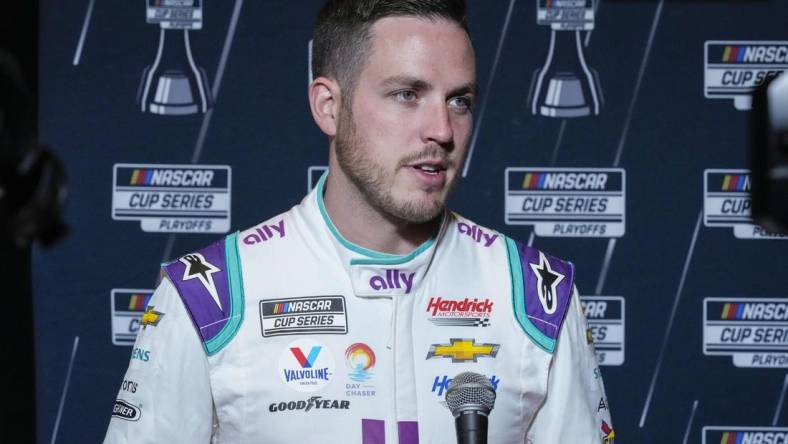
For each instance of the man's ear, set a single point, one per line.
(324, 102)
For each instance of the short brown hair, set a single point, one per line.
(342, 36)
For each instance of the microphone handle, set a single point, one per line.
(471, 428)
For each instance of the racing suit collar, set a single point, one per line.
(374, 273)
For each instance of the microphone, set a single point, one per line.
(470, 397)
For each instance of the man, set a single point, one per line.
(343, 319)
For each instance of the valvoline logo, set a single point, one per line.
(306, 365)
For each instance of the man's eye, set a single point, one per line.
(461, 103)
(406, 95)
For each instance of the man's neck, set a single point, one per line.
(363, 225)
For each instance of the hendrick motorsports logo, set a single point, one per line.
(567, 202)
(727, 203)
(734, 68)
(753, 330)
(173, 198)
(460, 312)
(745, 435)
(607, 326)
(127, 307)
(307, 315)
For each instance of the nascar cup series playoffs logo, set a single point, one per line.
(606, 325)
(173, 198)
(752, 330)
(128, 308)
(567, 202)
(733, 69)
(306, 365)
(727, 203)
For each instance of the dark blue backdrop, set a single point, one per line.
(656, 124)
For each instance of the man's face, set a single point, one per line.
(405, 135)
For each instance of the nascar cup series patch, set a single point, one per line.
(606, 327)
(305, 315)
(567, 202)
(727, 203)
(752, 330)
(173, 198)
(733, 69)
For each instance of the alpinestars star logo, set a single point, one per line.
(197, 267)
(547, 281)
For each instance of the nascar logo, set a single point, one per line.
(727, 203)
(173, 198)
(567, 202)
(745, 435)
(734, 68)
(752, 330)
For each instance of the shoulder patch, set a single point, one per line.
(210, 285)
(541, 291)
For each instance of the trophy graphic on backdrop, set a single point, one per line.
(565, 86)
(173, 84)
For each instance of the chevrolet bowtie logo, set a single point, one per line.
(151, 317)
(463, 350)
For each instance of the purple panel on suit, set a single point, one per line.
(373, 431)
(549, 324)
(408, 432)
(190, 274)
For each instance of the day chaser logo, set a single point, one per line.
(727, 203)
(305, 315)
(606, 327)
(734, 68)
(753, 330)
(744, 435)
(463, 350)
(306, 365)
(128, 307)
(173, 198)
(360, 359)
(460, 313)
(199, 268)
(547, 281)
(567, 202)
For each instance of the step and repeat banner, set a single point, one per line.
(612, 133)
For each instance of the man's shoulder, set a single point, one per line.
(542, 284)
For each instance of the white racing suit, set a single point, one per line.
(288, 333)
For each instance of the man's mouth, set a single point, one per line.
(429, 168)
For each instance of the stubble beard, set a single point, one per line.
(369, 177)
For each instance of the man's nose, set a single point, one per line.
(436, 125)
